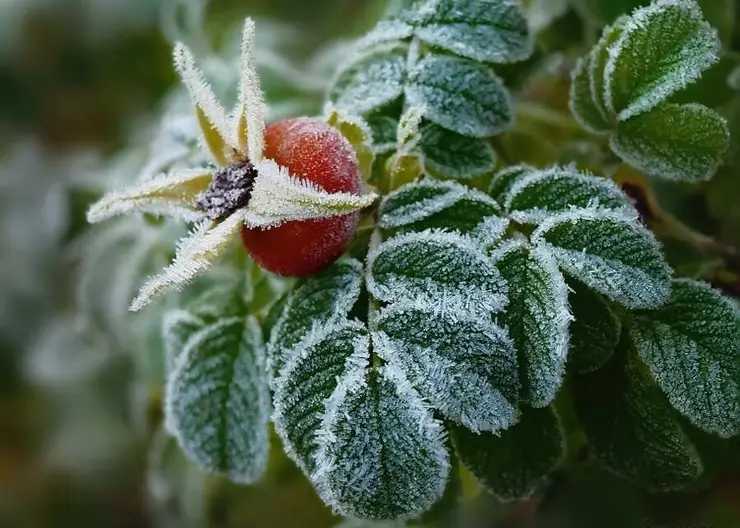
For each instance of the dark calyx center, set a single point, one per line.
(229, 190)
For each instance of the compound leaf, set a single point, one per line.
(594, 331)
(515, 462)
(692, 347)
(217, 402)
(643, 70)
(371, 80)
(463, 365)
(450, 155)
(631, 428)
(679, 142)
(436, 268)
(609, 252)
(382, 455)
(537, 317)
(485, 31)
(309, 379)
(460, 95)
(313, 305)
(540, 194)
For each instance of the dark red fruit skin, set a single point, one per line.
(314, 151)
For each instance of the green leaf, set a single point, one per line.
(435, 268)
(432, 204)
(382, 455)
(482, 30)
(595, 330)
(540, 194)
(609, 252)
(504, 179)
(314, 304)
(582, 104)
(460, 95)
(178, 326)
(308, 381)
(643, 70)
(537, 317)
(384, 130)
(631, 428)
(217, 401)
(464, 365)
(513, 464)
(678, 142)
(692, 347)
(370, 80)
(450, 155)
(599, 57)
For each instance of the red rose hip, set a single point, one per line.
(316, 152)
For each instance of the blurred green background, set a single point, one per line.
(83, 84)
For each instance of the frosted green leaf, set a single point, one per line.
(504, 179)
(642, 70)
(582, 104)
(514, 463)
(595, 330)
(632, 429)
(599, 57)
(384, 130)
(386, 31)
(450, 155)
(432, 204)
(309, 379)
(217, 401)
(313, 305)
(611, 253)
(370, 80)
(177, 327)
(436, 268)
(540, 194)
(678, 142)
(537, 318)
(482, 30)
(382, 455)
(460, 95)
(465, 366)
(692, 347)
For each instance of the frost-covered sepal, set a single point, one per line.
(465, 366)
(279, 197)
(514, 463)
(171, 194)
(312, 306)
(460, 95)
(432, 204)
(537, 318)
(436, 268)
(692, 347)
(661, 49)
(677, 142)
(631, 428)
(540, 194)
(217, 400)
(382, 455)
(482, 30)
(610, 252)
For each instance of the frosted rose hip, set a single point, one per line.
(314, 151)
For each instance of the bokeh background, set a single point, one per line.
(89, 100)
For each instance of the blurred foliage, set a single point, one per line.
(83, 84)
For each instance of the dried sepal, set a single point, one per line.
(279, 197)
(170, 194)
(195, 254)
(251, 109)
